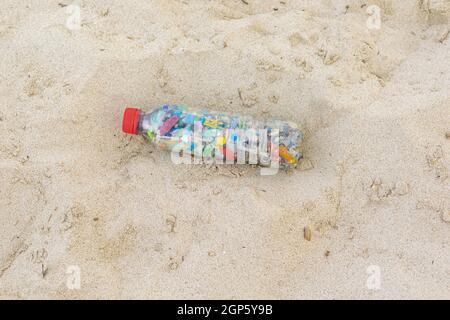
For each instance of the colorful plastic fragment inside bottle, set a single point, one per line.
(210, 136)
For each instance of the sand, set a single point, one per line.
(89, 212)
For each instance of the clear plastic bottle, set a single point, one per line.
(216, 136)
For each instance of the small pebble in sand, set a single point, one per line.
(173, 265)
(447, 135)
(158, 247)
(446, 216)
(305, 164)
(329, 59)
(376, 182)
(401, 188)
(247, 98)
(444, 36)
(171, 222)
(301, 62)
(307, 233)
(297, 38)
(273, 98)
(336, 82)
(211, 253)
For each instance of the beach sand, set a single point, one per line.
(89, 212)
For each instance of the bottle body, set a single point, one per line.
(209, 136)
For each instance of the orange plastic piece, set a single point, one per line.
(284, 153)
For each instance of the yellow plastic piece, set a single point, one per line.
(212, 123)
(221, 141)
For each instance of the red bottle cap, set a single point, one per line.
(130, 120)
